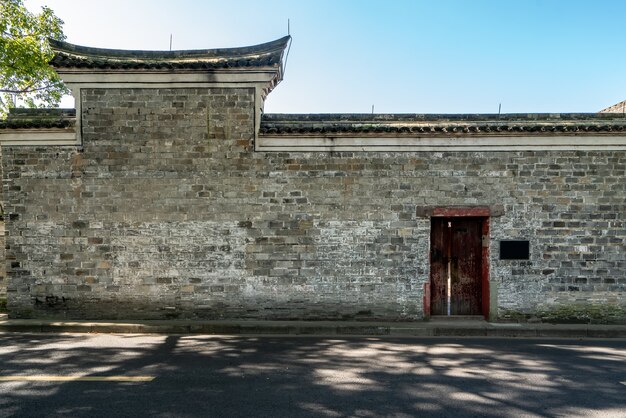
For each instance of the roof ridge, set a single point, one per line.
(538, 124)
(436, 117)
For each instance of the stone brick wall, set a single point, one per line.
(166, 211)
(3, 278)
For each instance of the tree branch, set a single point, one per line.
(20, 35)
(24, 91)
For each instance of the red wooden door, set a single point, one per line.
(456, 266)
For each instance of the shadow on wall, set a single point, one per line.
(236, 376)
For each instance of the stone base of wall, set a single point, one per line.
(577, 313)
(53, 308)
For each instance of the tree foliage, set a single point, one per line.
(25, 76)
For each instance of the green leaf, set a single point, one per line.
(25, 76)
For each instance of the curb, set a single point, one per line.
(421, 329)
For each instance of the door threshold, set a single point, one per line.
(457, 318)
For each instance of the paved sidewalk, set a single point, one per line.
(466, 328)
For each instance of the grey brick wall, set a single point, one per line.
(167, 211)
(3, 278)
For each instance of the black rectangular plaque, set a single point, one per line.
(514, 250)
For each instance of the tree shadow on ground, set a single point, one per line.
(312, 376)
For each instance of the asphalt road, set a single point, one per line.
(215, 376)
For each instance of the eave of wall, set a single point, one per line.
(392, 133)
(77, 78)
(39, 137)
(36, 127)
(327, 143)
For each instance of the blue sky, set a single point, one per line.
(444, 56)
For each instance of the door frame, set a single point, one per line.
(466, 212)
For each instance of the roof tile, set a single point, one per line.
(460, 125)
(39, 119)
(75, 56)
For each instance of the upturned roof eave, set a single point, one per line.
(277, 45)
(268, 56)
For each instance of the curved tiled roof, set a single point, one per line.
(462, 125)
(75, 56)
(39, 119)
